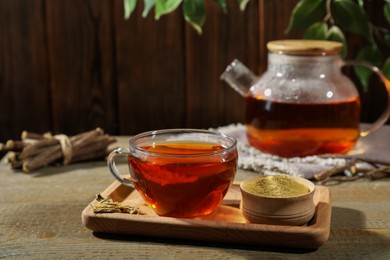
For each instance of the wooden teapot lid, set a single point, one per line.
(305, 47)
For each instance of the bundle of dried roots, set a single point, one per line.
(34, 151)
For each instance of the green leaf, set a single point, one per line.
(369, 54)
(129, 6)
(242, 4)
(316, 31)
(148, 4)
(222, 4)
(305, 13)
(335, 34)
(386, 68)
(194, 13)
(165, 7)
(351, 17)
(386, 11)
(386, 38)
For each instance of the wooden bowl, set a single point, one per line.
(292, 211)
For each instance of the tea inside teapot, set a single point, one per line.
(299, 129)
(303, 104)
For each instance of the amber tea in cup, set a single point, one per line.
(180, 172)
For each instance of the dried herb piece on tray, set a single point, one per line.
(107, 205)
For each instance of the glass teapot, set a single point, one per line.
(302, 105)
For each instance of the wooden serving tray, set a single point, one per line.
(224, 225)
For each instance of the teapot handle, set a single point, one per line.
(385, 115)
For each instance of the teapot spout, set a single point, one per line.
(239, 77)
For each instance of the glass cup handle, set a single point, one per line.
(386, 113)
(114, 169)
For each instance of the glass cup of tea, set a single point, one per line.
(179, 172)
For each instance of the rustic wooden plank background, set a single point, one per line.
(69, 66)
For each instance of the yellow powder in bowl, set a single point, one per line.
(278, 186)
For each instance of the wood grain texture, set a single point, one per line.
(224, 225)
(24, 81)
(83, 87)
(150, 73)
(40, 218)
(78, 64)
(210, 102)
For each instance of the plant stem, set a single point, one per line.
(329, 16)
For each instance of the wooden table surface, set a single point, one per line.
(40, 217)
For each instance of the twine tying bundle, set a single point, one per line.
(35, 151)
(66, 148)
